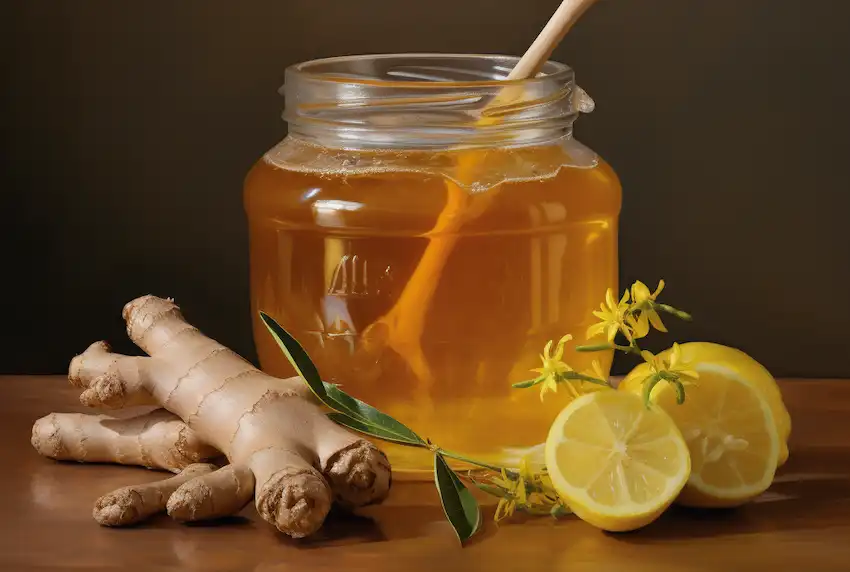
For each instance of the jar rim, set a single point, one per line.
(428, 100)
(321, 69)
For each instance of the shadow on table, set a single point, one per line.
(810, 493)
(391, 523)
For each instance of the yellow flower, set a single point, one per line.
(612, 317)
(674, 365)
(529, 489)
(679, 367)
(640, 292)
(553, 367)
(505, 508)
(525, 471)
(545, 495)
(588, 386)
(648, 315)
(514, 495)
(596, 371)
(546, 483)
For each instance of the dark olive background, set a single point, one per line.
(127, 128)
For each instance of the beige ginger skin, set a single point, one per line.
(283, 450)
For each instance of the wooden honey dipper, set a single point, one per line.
(403, 324)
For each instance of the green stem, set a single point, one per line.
(675, 311)
(465, 459)
(595, 348)
(528, 382)
(680, 391)
(489, 489)
(580, 376)
(648, 385)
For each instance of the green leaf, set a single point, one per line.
(299, 359)
(368, 415)
(458, 503)
(372, 430)
(363, 417)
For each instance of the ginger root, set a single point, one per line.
(156, 440)
(283, 450)
(129, 505)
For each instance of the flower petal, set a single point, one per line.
(597, 369)
(501, 509)
(559, 350)
(501, 483)
(522, 494)
(639, 292)
(675, 356)
(658, 290)
(595, 330)
(549, 384)
(655, 320)
(525, 467)
(640, 327)
(609, 299)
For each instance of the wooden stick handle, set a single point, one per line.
(550, 36)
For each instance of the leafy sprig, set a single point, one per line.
(458, 503)
(527, 490)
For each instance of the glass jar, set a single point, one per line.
(424, 230)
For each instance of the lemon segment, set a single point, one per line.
(731, 434)
(617, 464)
(705, 356)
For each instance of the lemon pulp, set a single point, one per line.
(617, 464)
(731, 435)
(705, 357)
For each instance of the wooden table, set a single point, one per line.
(802, 523)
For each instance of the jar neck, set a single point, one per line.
(421, 102)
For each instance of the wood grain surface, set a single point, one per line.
(802, 521)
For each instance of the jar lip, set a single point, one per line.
(323, 69)
(427, 100)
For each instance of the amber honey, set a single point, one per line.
(334, 251)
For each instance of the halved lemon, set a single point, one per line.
(708, 357)
(617, 464)
(731, 434)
